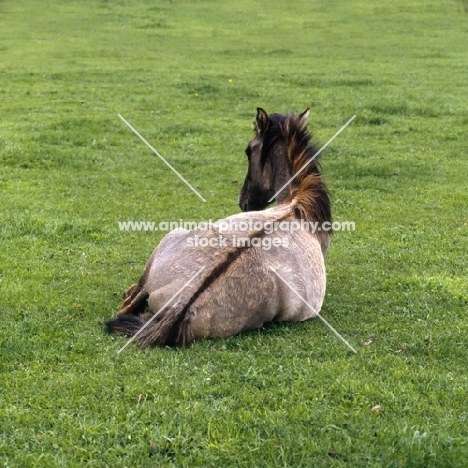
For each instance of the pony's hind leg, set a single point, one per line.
(135, 301)
(132, 289)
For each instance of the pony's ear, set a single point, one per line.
(303, 116)
(261, 123)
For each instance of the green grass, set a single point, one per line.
(189, 76)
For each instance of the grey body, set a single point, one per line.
(248, 294)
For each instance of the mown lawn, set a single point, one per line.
(189, 76)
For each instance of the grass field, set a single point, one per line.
(189, 76)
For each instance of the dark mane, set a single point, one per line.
(292, 131)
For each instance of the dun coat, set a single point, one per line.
(237, 290)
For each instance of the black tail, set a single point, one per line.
(172, 330)
(125, 325)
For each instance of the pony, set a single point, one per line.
(246, 270)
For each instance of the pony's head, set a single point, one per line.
(280, 141)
